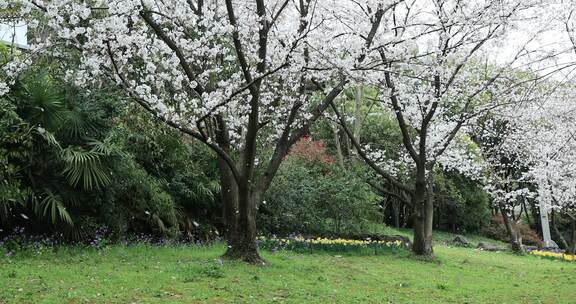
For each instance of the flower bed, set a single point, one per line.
(301, 244)
(554, 255)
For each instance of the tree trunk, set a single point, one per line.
(243, 245)
(358, 112)
(422, 244)
(405, 216)
(438, 216)
(515, 240)
(559, 237)
(339, 154)
(229, 195)
(572, 249)
(528, 219)
(537, 225)
(384, 209)
(228, 184)
(346, 146)
(396, 210)
(423, 203)
(239, 203)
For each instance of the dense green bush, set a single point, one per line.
(164, 184)
(311, 194)
(461, 205)
(53, 151)
(76, 160)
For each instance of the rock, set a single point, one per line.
(550, 245)
(488, 247)
(387, 238)
(460, 240)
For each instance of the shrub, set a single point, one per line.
(497, 230)
(311, 151)
(311, 194)
(462, 206)
(73, 159)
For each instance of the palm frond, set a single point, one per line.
(77, 125)
(203, 192)
(106, 147)
(53, 206)
(159, 223)
(43, 101)
(85, 166)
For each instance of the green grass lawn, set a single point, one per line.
(149, 274)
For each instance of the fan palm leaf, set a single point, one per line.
(52, 206)
(86, 167)
(42, 103)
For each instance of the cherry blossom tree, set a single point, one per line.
(504, 164)
(528, 151)
(529, 147)
(249, 78)
(551, 146)
(243, 77)
(442, 80)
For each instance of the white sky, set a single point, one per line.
(14, 33)
(542, 32)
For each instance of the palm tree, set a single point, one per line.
(54, 143)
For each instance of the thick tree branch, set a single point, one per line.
(239, 49)
(365, 157)
(126, 86)
(172, 45)
(402, 196)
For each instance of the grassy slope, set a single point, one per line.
(145, 274)
(440, 237)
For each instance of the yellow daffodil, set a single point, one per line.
(556, 255)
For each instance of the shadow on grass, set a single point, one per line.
(431, 259)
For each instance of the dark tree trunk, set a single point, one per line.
(572, 249)
(339, 154)
(405, 216)
(438, 216)
(528, 219)
(422, 233)
(239, 203)
(423, 203)
(244, 246)
(396, 210)
(228, 185)
(558, 235)
(515, 240)
(537, 225)
(229, 194)
(384, 209)
(345, 144)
